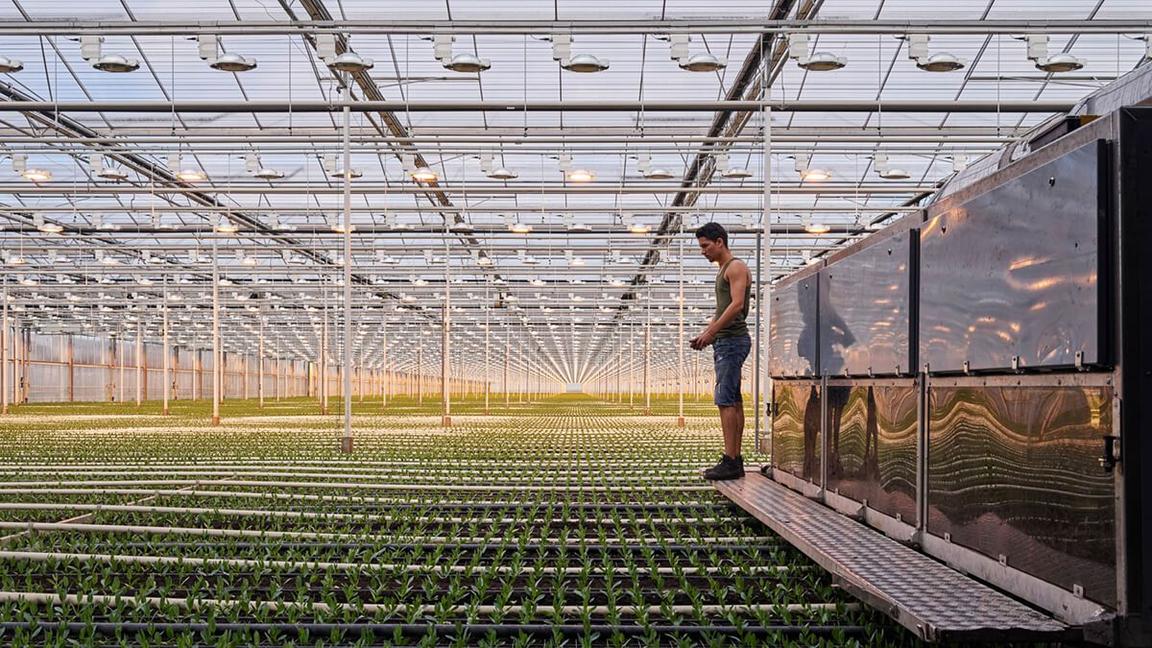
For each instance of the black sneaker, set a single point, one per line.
(728, 468)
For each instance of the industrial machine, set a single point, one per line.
(975, 380)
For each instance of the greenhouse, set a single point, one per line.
(378, 323)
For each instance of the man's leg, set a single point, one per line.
(732, 422)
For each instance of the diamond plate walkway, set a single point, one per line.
(932, 600)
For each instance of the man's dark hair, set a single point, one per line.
(713, 232)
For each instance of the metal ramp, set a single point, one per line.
(932, 600)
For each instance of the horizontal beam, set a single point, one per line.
(379, 230)
(473, 190)
(867, 106)
(739, 25)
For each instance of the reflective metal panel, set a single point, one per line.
(796, 428)
(1013, 472)
(793, 329)
(872, 446)
(1012, 273)
(865, 305)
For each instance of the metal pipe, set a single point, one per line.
(695, 25)
(445, 343)
(260, 363)
(257, 107)
(217, 374)
(5, 380)
(346, 355)
(484, 190)
(680, 336)
(167, 354)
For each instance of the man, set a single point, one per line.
(728, 335)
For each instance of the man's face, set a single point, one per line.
(710, 249)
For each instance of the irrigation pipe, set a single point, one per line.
(42, 556)
(476, 630)
(397, 502)
(370, 486)
(332, 515)
(400, 608)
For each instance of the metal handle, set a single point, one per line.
(1109, 460)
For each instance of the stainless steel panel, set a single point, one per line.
(865, 310)
(1013, 472)
(794, 329)
(796, 439)
(872, 446)
(1013, 273)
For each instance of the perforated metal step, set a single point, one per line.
(927, 597)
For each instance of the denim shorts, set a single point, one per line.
(729, 354)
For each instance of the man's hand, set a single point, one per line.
(702, 340)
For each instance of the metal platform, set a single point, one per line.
(932, 600)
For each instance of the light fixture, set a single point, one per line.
(658, 174)
(580, 175)
(703, 62)
(815, 228)
(116, 63)
(1062, 62)
(1038, 54)
(232, 62)
(9, 65)
(939, 62)
(639, 228)
(92, 50)
(585, 63)
(226, 226)
(351, 62)
(339, 173)
(502, 173)
(888, 172)
(467, 62)
(189, 174)
(462, 227)
(803, 167)
(729, 172)
(208, 46)
(814, 62)
(15, 260)
(823, 62)
(519, 228)
(265, 173)
(484, 260)
(47, 228)
(111, 173)
(572, 225)
(34, 174)
(424, 175)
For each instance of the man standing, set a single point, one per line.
(728, 335)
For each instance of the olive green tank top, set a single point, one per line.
(738, 326)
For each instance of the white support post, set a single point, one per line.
(260, 364)
(647, 357)
(139, 364)
(5, 336)
(167, 353)
(680, 335)
(446, 337)
(217, 370)
(507, 356)
(346, 360)
(487, 349)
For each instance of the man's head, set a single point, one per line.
(713, 240)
